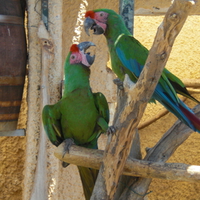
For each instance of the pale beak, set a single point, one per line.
(83, 46)
(90, 24)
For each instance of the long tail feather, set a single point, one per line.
(88, 178)
(194, 120)
(179, 109)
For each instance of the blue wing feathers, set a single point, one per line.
(131, 64)
(164, 91)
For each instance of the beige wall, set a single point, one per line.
(65, 184)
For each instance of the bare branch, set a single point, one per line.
(135, 99)
(192, 83)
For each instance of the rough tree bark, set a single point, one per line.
(135, 100)
(126, 10)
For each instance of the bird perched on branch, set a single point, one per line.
(81, 115)
(128, 56)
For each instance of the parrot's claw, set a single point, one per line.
(111, 130)
(147, 149)
(64, 164)
(119, 83)
(67, 144)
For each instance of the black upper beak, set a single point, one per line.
(83, 46)
(90, 24)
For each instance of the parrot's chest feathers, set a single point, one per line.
(79, 115)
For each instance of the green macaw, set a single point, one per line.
(128, 56)
(81, 115)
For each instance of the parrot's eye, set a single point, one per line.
(101, 14)
(73, 57)
(101, 17)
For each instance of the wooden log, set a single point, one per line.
(93, 158)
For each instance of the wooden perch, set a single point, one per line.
(193, 90)
(132, 105)
(93, 158)
(192, 83)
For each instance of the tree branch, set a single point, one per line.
(92, 158)
(192, 83)
(136, 97)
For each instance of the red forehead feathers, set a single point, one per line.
(74, 48)
(90, 14)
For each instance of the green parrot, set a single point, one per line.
(128, 56)
(81, 115)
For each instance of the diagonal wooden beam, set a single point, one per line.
(134, 102)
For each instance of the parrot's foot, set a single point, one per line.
(119, 83)
(62, 87)
(147, 149)
(111, 130)
(67, 144)
(64, 164)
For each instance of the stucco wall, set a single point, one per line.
(64, 183)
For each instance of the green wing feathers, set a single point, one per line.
(103, 109)
(51, 122)
(179, 86)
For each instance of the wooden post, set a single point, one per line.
(126, 10)
(40, 186)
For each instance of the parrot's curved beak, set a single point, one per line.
(90, 24)
(83, 46)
